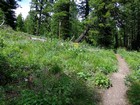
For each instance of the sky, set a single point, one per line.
(24, 8)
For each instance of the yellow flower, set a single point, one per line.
(76, 45)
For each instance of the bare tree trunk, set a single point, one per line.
(116, 42)
(2, 22)
(83, 35)
(39, 19)
(87, 9)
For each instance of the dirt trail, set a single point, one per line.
(116, 95)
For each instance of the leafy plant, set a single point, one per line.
(133, 79)
(54, 68)
(2, 96)
(53, 90)
(133, 93)
(53, 71)
(102, 80)
(1, 42)
(84, 75)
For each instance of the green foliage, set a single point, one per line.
(54, 68)
(102, 21)
(130, 16)
(102, 80)
(133, 79)
(5, 70)
(52, 71)
(8, 8)
(40, 17)
(132, 58)
(29, 23)
(133, 93)
(62, 18)
(1, 16)
(20, 23)
(56, 90)
(2, 96)
(84, 75)
(1, 42)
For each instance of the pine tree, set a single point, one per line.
(1, 17)
(84, 8)
(61, 19)
(103, 21)
(131, 26)
(20, 23)
(29, 23)
(8, 7)
(75, 24)
(42, 10)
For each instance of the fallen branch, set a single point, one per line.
(83, 35)
(37, 39)
(2, 22)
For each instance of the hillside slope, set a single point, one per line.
(52, 71)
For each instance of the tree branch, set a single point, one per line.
(83, 35)
(2, 22)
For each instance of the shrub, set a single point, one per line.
(54, 68)
(1, 42)
(133, 93)
(60, 71)
(2, 96)
(5, 70)
(50, 89)
(133, 79)
(102, 80)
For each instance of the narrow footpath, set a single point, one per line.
(116, 95)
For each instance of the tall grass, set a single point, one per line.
(57, 68)
(133, 80)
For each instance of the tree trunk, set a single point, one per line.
(39, 19)
(116, 40)
(82, 36)
(138, 32)
(87, 9)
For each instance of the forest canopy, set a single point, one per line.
(104, 23)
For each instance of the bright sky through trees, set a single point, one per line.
(24, 8)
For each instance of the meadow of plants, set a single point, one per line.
(51, 72)
(133, 79)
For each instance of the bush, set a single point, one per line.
(133, 79)
(50, 89)
(133, 93)
(102, 80)
(61, 72)
(5, 70)
(2, 96)
(1, 42)
(54, 67)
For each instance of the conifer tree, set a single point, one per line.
(61, 19)
(8, 7)
(84, 8)
(41, 9)
(20, 23)
(29, 23)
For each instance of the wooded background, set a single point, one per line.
(104, 23)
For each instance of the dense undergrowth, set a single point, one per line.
(133, 80)
(51, 72)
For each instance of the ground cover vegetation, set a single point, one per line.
(102, 23)
(53, 72)
(133, 79)
(42, 59)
